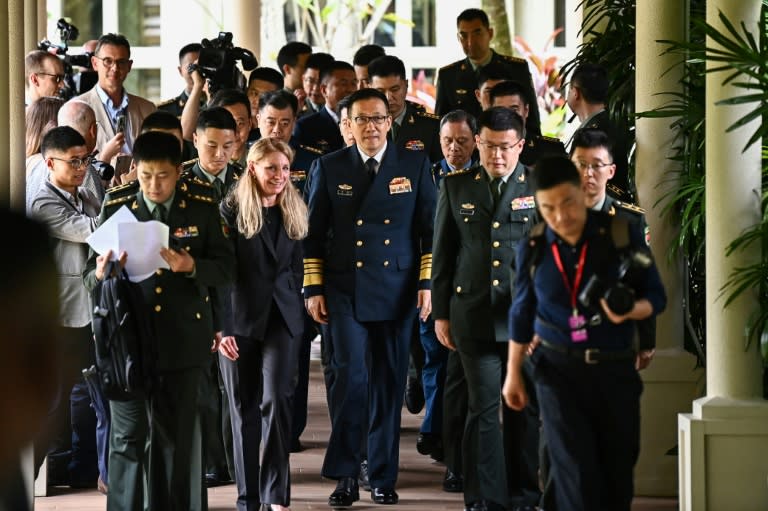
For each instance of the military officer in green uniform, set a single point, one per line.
(187, 55)
(157, 439)
(511, 94)
(457, 82)
(481, 215)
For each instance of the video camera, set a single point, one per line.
(217, 60)
(619, 294)
(67, 33)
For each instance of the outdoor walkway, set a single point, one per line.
(419, 485)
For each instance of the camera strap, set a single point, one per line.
(573, 290)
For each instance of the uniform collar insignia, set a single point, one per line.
(135, 205)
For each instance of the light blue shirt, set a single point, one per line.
(113, 111)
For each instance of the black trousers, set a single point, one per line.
(260, 387)
(591, 416)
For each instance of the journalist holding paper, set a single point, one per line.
(178, 305)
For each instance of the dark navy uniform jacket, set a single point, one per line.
(302, 163)
(318, 130)
(542, 305)
(370, 240)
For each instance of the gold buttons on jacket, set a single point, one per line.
(496, 264)
(386, 263)
(359, 264)
(386, 242)
(359, 243)
(466, 220)
(207, 299)
(495, 282)
(159, 272)
(496, 225)
(359, 222)
(496, 244)
(458, 289)
(198, 315)
(158, 308)
(158, 290)
(187, 248)
(386, 221)
(525, 219)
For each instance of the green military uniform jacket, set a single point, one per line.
(474, 249)
(420, 131)
(539, 146)
(193, 173)
(179, 303)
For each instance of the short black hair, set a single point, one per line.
(229, 97)
(157, 146)
(336, 65)
(460, 116)
(551, 171)
(498, 118)
(266, 74)
(388, 65)
(472, 15)
(289, 54)
(189, 48)
(492, 71)
(160, 120)
(592, 81)
(342, 104)
(61, 138)
(320, 61)
(279, 99)
(590, 138)
(366, 53)
(363, 94)
(510, 88)
(112, 40)
(216, 117)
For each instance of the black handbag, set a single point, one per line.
(124, 337)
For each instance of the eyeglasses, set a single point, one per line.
(362, 120)
(503, 147)
(584, 166)
(76, 163)
(109, 62)
(56, 78)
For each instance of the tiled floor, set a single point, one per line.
(418, 487)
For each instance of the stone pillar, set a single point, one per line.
(724, 442)
(671, 382)
(246, 26)
(31, 25)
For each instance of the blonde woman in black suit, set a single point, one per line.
(266, 218)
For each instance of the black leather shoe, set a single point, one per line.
(414, 395)
(429, 444)
(296, 446)
(387, 496)
(478, 505)
(453, 483)
(362, 478)
(345, 494)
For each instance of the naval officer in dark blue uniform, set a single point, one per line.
(367, 266)
(584, 368)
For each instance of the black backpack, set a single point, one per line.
(124, 335)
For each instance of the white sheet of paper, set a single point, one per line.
(142, 242)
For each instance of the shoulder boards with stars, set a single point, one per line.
(614, 190)
(166, 102)
(199, 191)
(109, 202)
(510, 58)
(428, 115)
(192, 178)
(459, 172)
(120, 190)
(311, 149)
(629, 207)
(189, 163)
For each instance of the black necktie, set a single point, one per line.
(370, 166)
(159, 213)
(497, 189)
(217, 183)
(393, 131)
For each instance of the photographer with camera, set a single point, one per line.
(584, 369)
(118, 114)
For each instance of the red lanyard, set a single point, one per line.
(573, 290)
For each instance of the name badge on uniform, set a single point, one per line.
(298, 175)
(400, 185)
(186, 232)
(461, 92)
(467, 209)
(344, 190)
(414, 145)
(523, 203)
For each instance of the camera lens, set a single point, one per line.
(620, 299)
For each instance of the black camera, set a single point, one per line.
(217, 63)
(105, 171)
(618, 294)
(69, 32)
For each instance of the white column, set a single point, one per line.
(724, 442)
(32, 32)
(670, 382)
(246, 29)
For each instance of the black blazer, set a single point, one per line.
(267, 273)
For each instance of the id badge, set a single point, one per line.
(577, 323)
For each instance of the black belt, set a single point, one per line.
(591, 355)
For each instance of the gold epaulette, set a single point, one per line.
(166, 102)
(197, 189)
(459, 172)
(189, 163)
(629, 207)
(311, 149)
(510, 58)
(191, 177)
(551, 139)
(118, 192)
(428, 115)
(118, 200)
